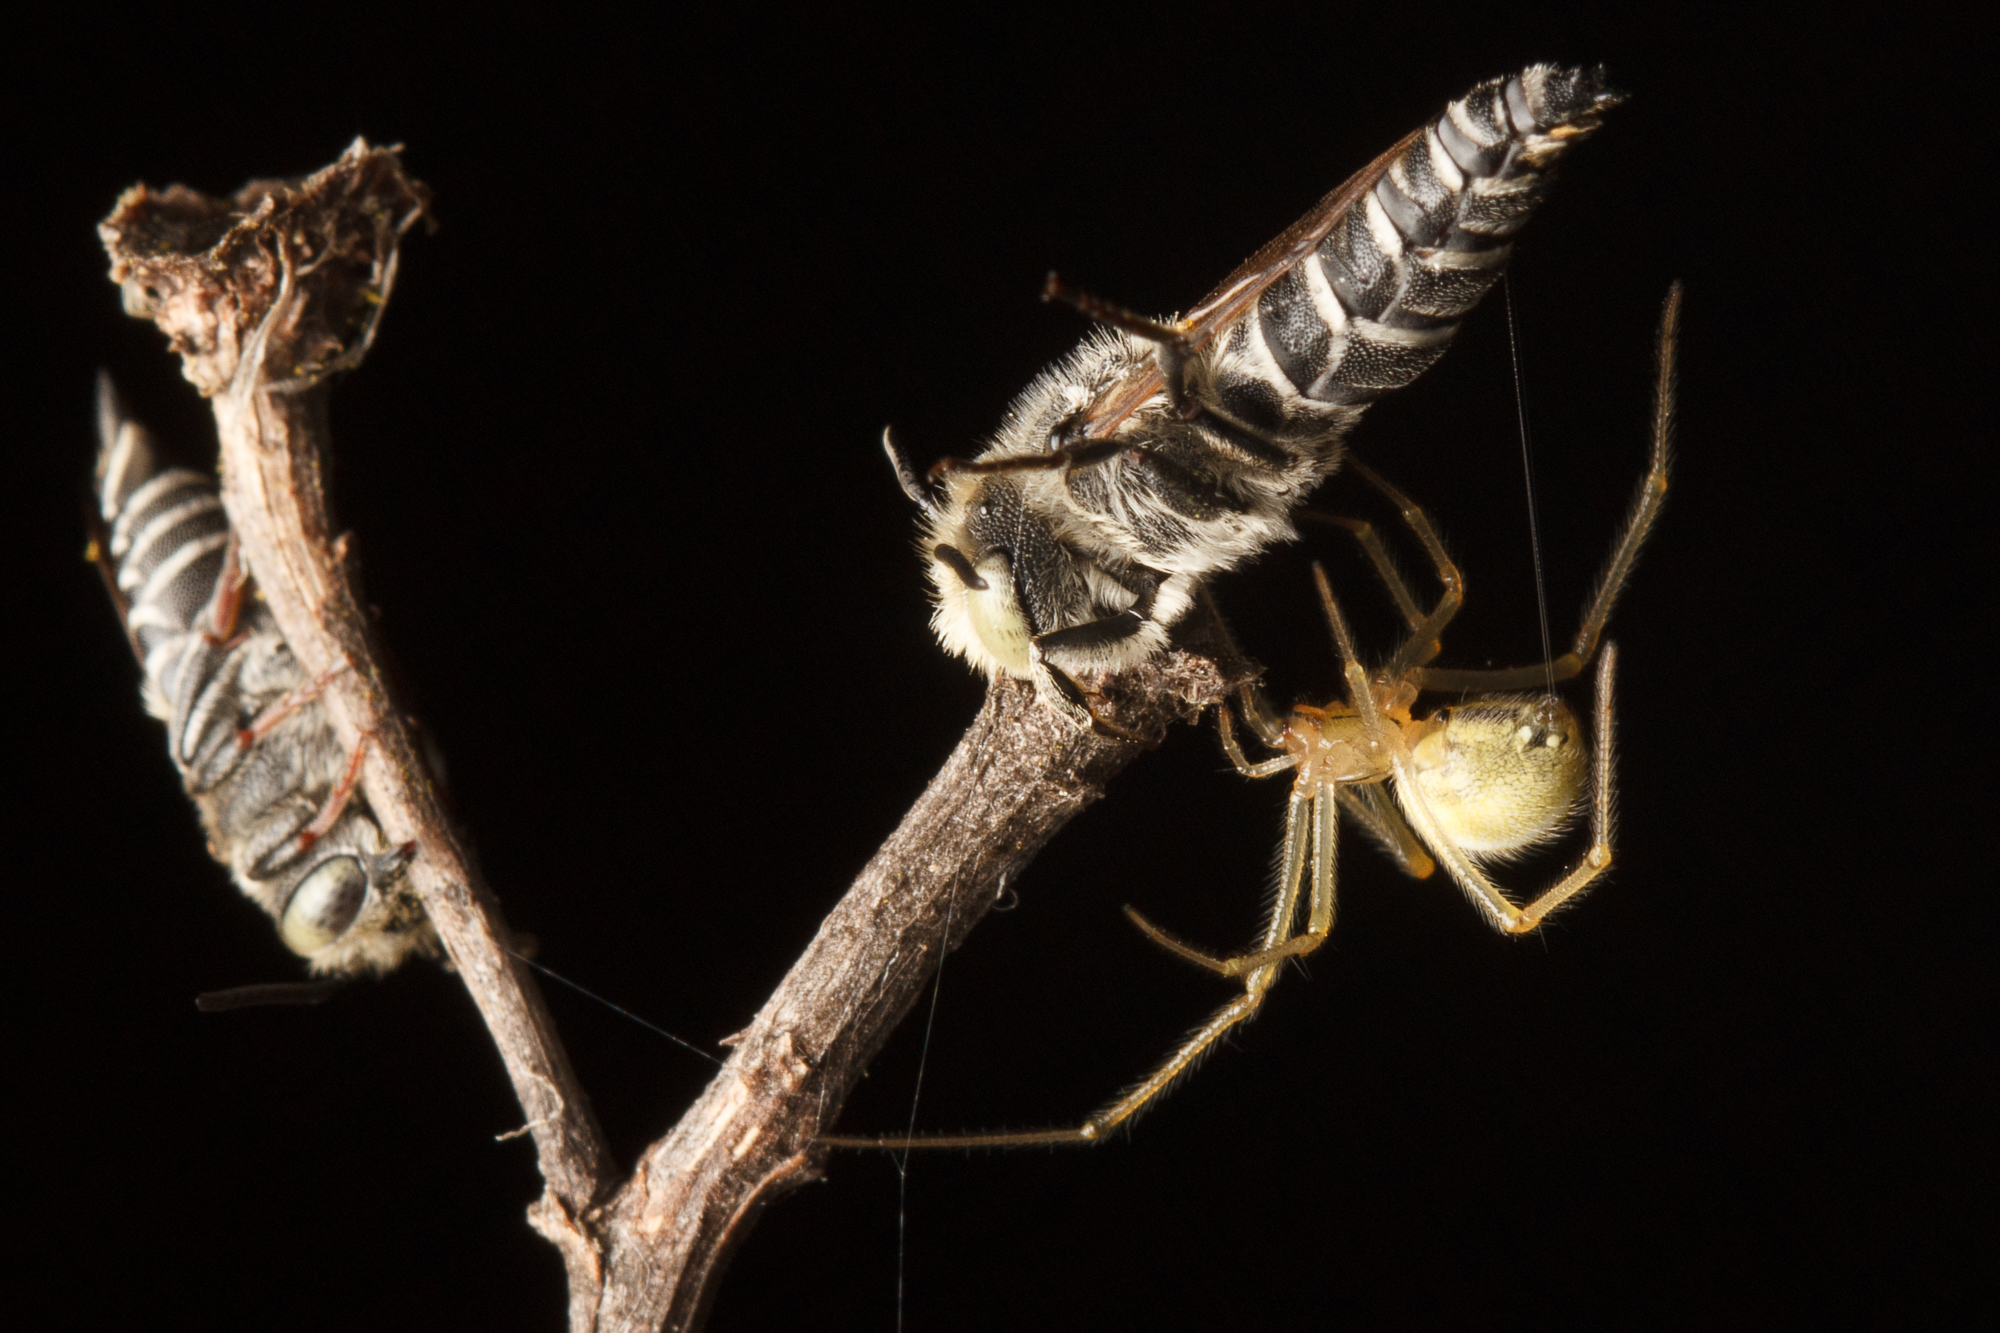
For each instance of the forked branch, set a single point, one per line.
(268, 293)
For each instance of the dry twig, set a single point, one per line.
(267, 294)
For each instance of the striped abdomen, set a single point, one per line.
(1160, 453)
(1359, 297)
(252, 742)
(1378, 298)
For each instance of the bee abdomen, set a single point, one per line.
(255, 749)
(167, 537)
(168, 541)
(1377, 302)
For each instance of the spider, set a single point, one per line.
(1476, 782)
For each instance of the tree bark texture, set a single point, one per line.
(265, 296)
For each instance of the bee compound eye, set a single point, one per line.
(324, 905)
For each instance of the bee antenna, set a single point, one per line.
(1117, 316)
(268, 993)
(906, 475)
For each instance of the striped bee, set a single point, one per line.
(1159, 453)
(245, 727)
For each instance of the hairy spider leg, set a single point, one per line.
(1312, 815)
(1378, 555)
(1424, 641)
(1426, 637)
(1371, 806)
(1639, 522)
(1257, 982)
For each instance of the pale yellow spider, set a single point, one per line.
(1476, 782)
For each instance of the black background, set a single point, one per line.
(614, 482)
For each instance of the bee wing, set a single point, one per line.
(123, 452)
(1240, 290)
(1226, 304)
(97, 550)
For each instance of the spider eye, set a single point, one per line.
(1542, 725)
(324, 905)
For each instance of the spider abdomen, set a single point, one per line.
(1500, 776)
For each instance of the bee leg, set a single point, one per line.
(1098, 644)
(1176, 361)
(225, 608)
(1089, 640)
(267, 721)
(1241, 435)
(1174, 358)
(1170, 344)
(336, 802)
(385, 866)
(1104, 726)
(1092, 634)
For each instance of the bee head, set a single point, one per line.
(329, 897)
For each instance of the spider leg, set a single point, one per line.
(1378, 555)
(1425, 639)
(1639, 521)
(1098, 1127)
(1311, 817)
(1371, 807)
(1359, 695)
(1257, 710)
(1263, 719)
(1267, 768)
